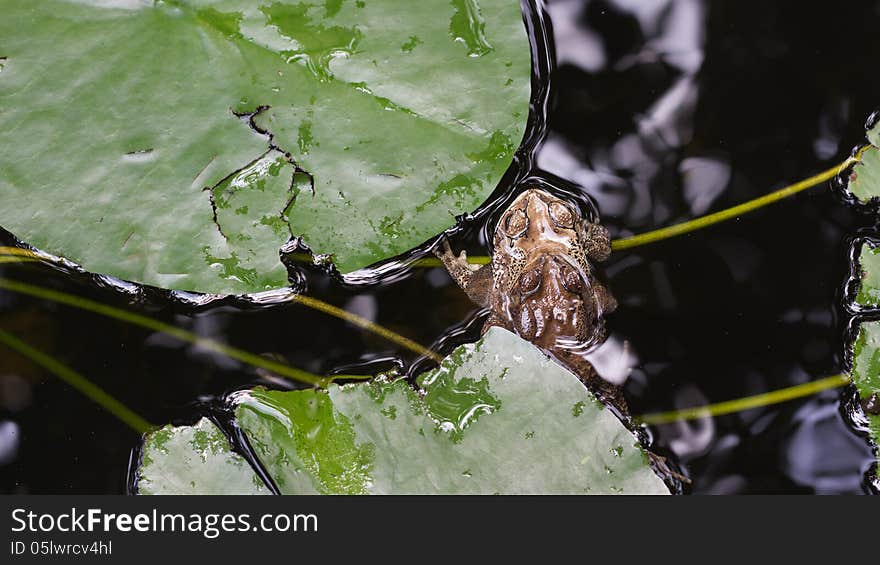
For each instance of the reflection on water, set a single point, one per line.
(662, 110)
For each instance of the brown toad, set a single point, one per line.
(541, 284)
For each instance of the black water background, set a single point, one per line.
(662, 110)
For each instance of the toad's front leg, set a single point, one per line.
(475, 280)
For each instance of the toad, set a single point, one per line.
(541, 283)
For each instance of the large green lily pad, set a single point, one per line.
(866, 368)
(126, 147)
(497, 416)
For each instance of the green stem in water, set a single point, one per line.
(739, 210)
(430, 262)
(740, 404)
(79, 382)
(178, 333)
(24, 255)
(18, 260)
(356, 320)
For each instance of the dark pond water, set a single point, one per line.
(662, 110)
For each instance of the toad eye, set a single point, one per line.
(561, 215)
(529, 282)
(516, 223)
(572, 281)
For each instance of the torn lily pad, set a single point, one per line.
(866, 372)
(190, 175)
(194, 460)
(497, 416)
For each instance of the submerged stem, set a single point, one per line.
(155, 325)
(18, 260)
(356, 320)
(744, 208)
(740, 404)
(24, 255)
(429, 262)
(79, 382)
(20, 255)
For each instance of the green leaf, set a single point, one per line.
(864, 180)
(866, 368)
(869, 285)
(497, 416)
(119, 128)
(866, 358)
(194, 460)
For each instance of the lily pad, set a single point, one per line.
(866, 369)
(194, 460)
(869, 284)
(497, 416)
(182, 143)
(864, 180)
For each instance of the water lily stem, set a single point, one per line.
(79, 382)
(19, 255)
(149, 323)
(356, 320)
(740, 404)
(735, 211)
